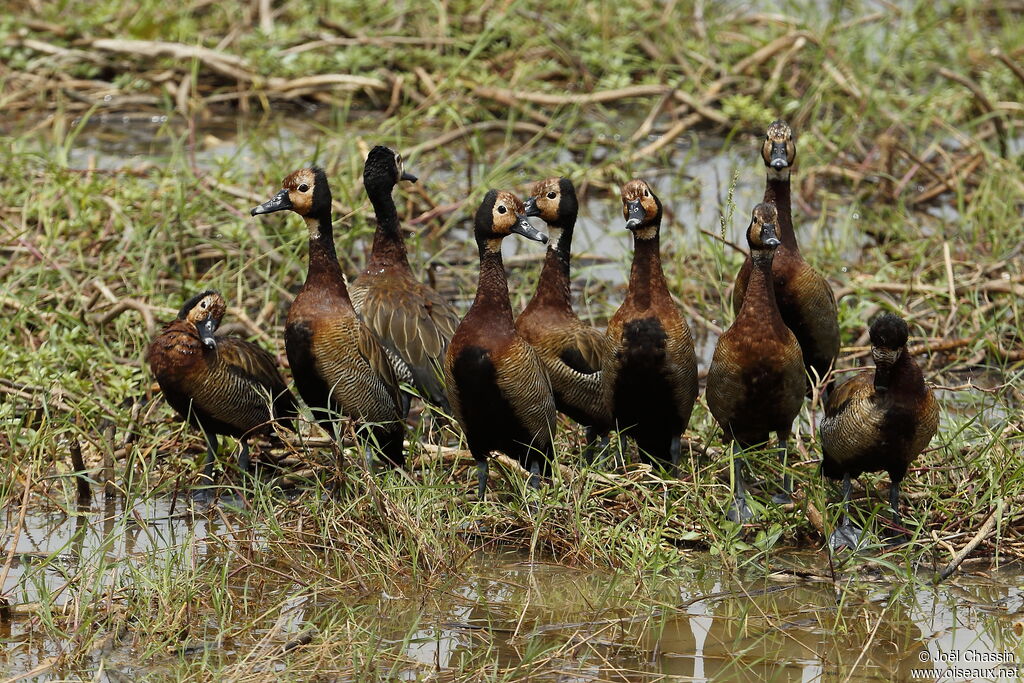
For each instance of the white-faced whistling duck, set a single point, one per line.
(497, 386)
(650, 371)
(223, 385)
(409, 317)
(877, 420)
(338, 364)
(805, 299)
(570, 350)
(756, 382)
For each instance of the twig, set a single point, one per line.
(983, 102)
(982, 534)
(78, 465)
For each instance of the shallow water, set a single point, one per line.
(790, 622)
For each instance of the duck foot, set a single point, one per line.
(739, 512)
(782, 499)
(846, 535)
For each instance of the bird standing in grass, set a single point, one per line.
(570, 350)
(223, 385)
(756, 381)
(497, 386)
(804, 297)
(878, 420)
(410, 318)
(649, 374)
(338, 364)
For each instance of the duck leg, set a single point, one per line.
(244, 463)
(739, 511)
(211, 455)
(482, 469)
(675, 454)
(596, 443)
(846, 534)
(786, 496)
(534, 474)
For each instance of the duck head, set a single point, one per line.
(778, 150)
(204, 311)
(305, 192)
(889, 334)
(383, 169)
(642, 209)
(763, 233)
(554, 201)
(501, 214)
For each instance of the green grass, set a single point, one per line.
(877, 127)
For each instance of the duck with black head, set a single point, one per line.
(756, 381)
(570, 350)
(338, 364)
(649, 373)
(223, 385)
(804, 297)
(498, 388)
(408, 316)
(878, 420)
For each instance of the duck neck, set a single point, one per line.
(492, 289)
(777, 191)
(646, 279)
(905, 377)
(759, 298)
(553, 288)
(324, 268)
(388, 243)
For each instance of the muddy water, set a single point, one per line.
(786, 622)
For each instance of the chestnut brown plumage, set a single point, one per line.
(804, 298)
(223, 385)
(338, 364)
(570, 350)
(497, 387)
(649, 373)
(409, 317)
(756, 381)
(878, 420)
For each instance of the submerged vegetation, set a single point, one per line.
(135, 141)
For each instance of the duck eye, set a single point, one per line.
(202, 304)
(501, 208)
(551, 195)
(303, 187)
(647, 193)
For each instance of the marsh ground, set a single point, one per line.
(130, 166)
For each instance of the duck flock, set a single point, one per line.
(352, 346)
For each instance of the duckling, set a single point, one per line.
(223, 385)
(756, 382)
(570, 350)
(877, 420)
(804, 298)
(497, 386)
(649, 372)
(409, 317)
(338, 364)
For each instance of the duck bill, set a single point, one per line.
(523, 227)
(409, 176)
(279, 202)
(769, 235)
(779, 160)
(634, 214)
(206, 330)
(532, 210)
(884, 361)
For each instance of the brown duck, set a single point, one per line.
(223, 385)
(497, 386)
(338, 364)
(570, 350)
(804, 298)
(877, 420)
(409, 317)
(649, 373)
(756, 382)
